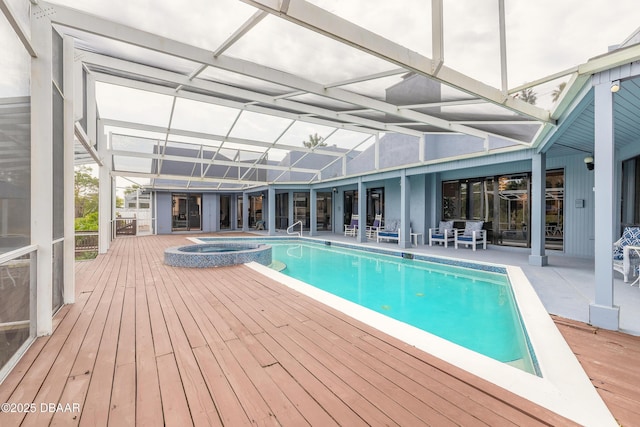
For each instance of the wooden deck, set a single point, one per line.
(148, 344)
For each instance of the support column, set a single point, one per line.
(432, 203)
(602, 312)
(362, 211)
(313, 198)
(405, 210)
(42, 170)
(291, 213)
(271, 197)
(105, 198)
(233, 212)
(376, 151)
(69, 291)
(245, 212)
(538, 199)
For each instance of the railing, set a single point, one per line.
(290, 229)
(86, 241)
(126, 227)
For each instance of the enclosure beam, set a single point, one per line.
(437, 36)
(69, 292)
(393, 53)
(42, 169)
(22, 34)
(323, 22)
(503, 48)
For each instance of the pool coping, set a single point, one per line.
(564, 386)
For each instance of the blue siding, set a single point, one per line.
(578, 222)
(164, 213)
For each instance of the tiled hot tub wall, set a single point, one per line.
(177, 258)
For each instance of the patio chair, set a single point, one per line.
(372, 230)
(472, 235)
(626, 253)
(445, 233)
(391, 232)
(352, 229)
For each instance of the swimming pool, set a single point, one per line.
(474, 309)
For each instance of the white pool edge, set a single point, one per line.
(564, 388)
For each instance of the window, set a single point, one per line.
(503, 203)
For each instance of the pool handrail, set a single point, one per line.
(290, 229)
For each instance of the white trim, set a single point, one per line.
(9, 256)
(83, 138)
(5, 7)
(69, 286)
(42, 170)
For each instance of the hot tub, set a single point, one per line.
(217, 254)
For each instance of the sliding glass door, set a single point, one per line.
(186, 213)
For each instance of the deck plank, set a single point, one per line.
(122, 410)
(149, 344)
(148, 402)
(610, 359)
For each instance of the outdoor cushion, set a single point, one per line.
(446, 225)
(472, 226)
(391, 226)
(630, 236)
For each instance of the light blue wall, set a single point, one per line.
(164, 213)
(579, 225)
(210, 212)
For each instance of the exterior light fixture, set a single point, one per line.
(335, 190)
(615, 86)
(589, 162)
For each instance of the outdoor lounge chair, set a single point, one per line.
(352, 229)
(372, 230)
(472, 235)
(626, 259)
(445, 233)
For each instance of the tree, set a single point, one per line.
(85, 192)
(528, 95)
(132, 188)
(314, 141)
(558, 91)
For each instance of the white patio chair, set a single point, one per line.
(445, 233)
(473, 235)
(352, 229)
(372, 230)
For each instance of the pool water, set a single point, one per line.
(472, 308)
